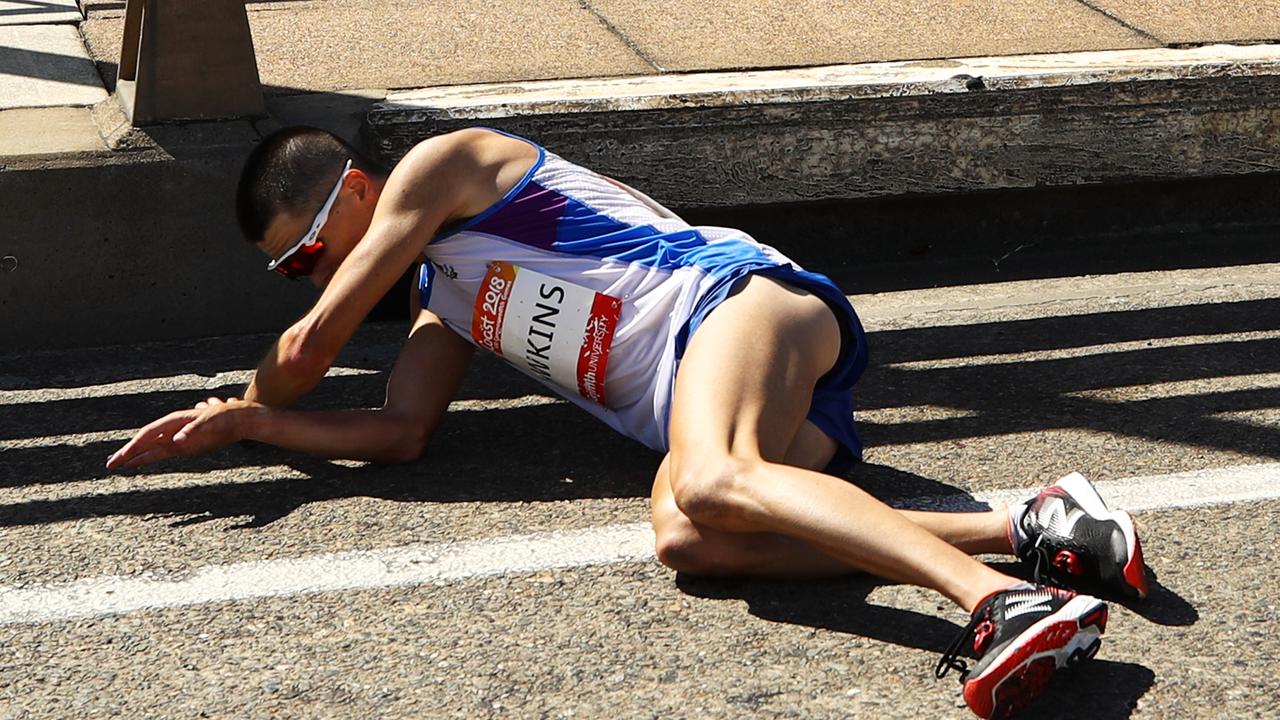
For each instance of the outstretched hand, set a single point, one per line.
(210, 425)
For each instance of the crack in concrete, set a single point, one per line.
(632, 44)
(1116, 18)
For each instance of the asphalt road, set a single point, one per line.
(973, 389)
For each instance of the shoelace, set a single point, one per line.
(1045, 565)
(1042, 562)
(951, 656)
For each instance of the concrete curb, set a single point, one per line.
(140, 243)
(881, 129)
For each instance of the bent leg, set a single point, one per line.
(686, 546)
(741, 396)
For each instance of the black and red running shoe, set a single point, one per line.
(1068, 537)
(1020, 636)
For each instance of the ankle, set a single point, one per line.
(984, 587)
(1012, 516)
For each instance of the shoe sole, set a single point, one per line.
(1083, 492)
(1019, 674)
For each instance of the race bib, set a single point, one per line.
(553, 329)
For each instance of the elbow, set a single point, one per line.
(406, 452)
(410, 443)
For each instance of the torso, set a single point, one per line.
(586, 285)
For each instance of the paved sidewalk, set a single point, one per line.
(327, 45)
(365, 49)
(331, 49)
(735, 103)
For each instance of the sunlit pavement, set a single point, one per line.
(973, 391)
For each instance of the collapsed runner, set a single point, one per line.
(699, 342)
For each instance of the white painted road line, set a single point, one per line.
(391, 567)
(1217, 486)
(1062, 297)
(441, 563)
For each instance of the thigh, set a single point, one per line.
(746, 380)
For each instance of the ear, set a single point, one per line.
(359, 183)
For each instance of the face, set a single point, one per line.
(347, 221)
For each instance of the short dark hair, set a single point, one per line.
(290, 171)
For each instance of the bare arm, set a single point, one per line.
(442, 179)
(422, 383)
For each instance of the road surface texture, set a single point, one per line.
(510, 574)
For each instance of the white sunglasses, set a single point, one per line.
(310, 238)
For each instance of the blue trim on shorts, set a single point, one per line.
(831, 408)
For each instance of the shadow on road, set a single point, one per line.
(508, 452)
(1099, 689)
(1167, 394)
(837, 604)
(1162, 606)
(533, 463)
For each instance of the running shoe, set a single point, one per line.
(1019, 637)
(1068, 537)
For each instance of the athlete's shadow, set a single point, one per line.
(836, 604)
(1162, 606)
(1098, 689)
(840, 605)
(895, 486)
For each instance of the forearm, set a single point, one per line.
(375, 435)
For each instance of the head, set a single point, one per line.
(288, 180)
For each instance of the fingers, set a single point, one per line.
(140, 444)
(186, 430)
(147, 457)
(156, 434)
(147, 435)
(144, 450)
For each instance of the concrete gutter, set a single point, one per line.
(883, 129)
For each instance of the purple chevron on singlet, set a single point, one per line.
(588, 286)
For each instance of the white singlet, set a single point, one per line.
(588, 286)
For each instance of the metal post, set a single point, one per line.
(185, 60)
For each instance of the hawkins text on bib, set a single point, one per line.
(553, 329)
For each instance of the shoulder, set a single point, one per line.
(473, 149)
(469, 168)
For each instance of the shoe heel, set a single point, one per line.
(1079, 655)
(1086, 494)
(1135, 570)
